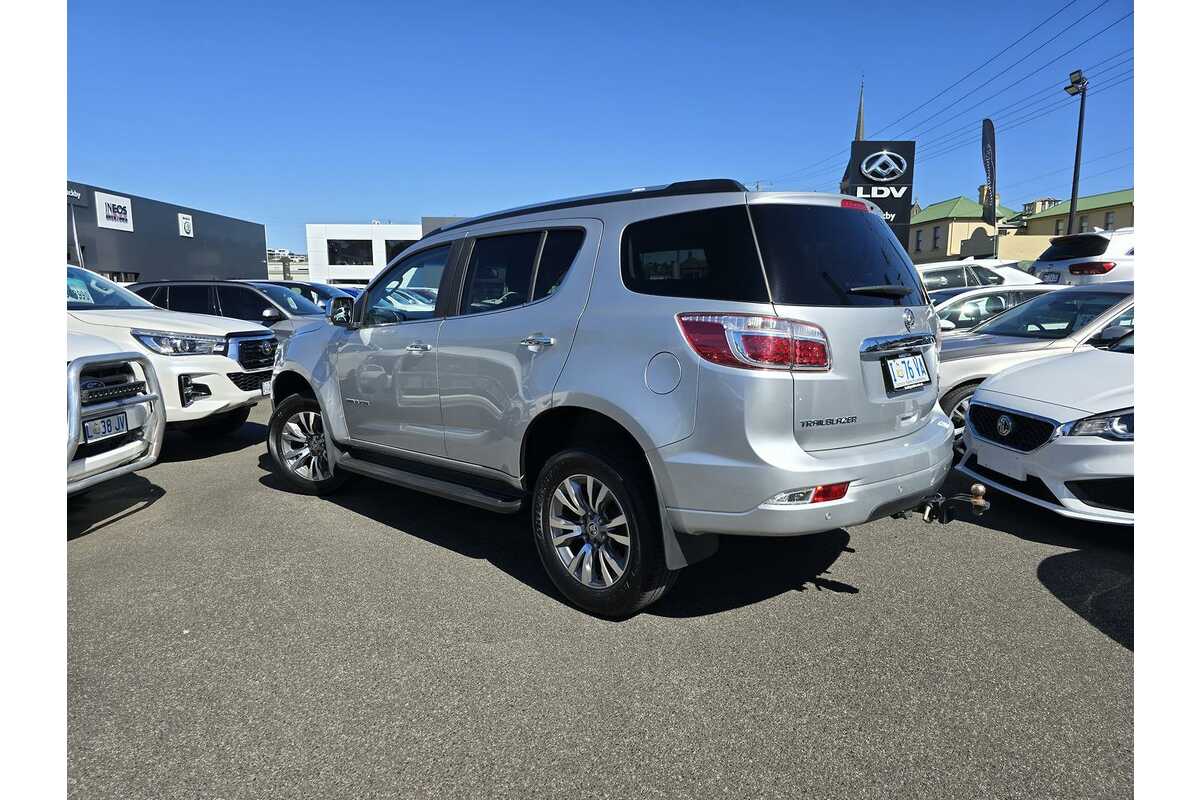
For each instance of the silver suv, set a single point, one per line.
(642, 370)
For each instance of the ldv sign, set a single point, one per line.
(882, 172)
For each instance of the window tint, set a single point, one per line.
(705, 254)
(1075, 247)
(241, 303)
(499, 272)
(293, 303)
(558, 252)
(952, 278)
(397, 246)
(1053, 315)
(356, 252)
(409, 289)
(986, 277)
(191, 298)
(815, 255)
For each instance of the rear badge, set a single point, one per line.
(820, 423)
(909, 319)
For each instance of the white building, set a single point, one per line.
(353, 254)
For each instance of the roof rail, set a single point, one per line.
(678, 188)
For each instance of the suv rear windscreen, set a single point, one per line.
(815, 256)
(1075, 247)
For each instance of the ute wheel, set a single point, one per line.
(598, 534)
(954, 403)
(296, 440)
(220, 424)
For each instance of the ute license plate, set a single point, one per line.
(907, 371)
(1051, 277)
(265, 388)
(105, 427)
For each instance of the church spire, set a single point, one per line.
(859, 131)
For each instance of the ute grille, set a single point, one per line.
(256, 353)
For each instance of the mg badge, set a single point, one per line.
(909, 319)
(1004, 425)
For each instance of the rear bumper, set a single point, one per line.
(884, 477)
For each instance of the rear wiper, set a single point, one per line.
(882, 290)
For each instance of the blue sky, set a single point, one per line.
(286, 113)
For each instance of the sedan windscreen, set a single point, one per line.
(1055, 315)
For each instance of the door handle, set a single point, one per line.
(537, 341)
(419, 347)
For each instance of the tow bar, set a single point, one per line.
(937, 507)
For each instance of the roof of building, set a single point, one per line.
(956, 208)
(1088, 203)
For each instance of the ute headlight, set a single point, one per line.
(1114, 425)
(180, 344)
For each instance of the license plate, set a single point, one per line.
(1006, 462)
(1051, 277)
(907, 371)
(266, 388)
(104, 427)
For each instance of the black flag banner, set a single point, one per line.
(989, 167)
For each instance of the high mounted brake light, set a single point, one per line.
(857, 205)
(750, 341)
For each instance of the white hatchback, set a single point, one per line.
(1083, 258)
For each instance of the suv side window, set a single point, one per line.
(192, 298)
(558, 253)
(155, 294)
(393, 298)
(499, 272)
(708, 254)
(242, 303)
(952, 278)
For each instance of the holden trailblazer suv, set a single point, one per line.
(211, 370)
(642, 370)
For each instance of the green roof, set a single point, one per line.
(1089, 203)
(956, 208)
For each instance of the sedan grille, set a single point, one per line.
(250, 381)
(256, 353)
(1010, 429)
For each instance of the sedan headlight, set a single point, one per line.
(180, 344)
(1114, 425)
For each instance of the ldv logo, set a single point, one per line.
(880, 192)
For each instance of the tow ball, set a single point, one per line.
(939, 508)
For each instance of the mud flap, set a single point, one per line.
(684, 549)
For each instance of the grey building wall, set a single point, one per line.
(220, 246)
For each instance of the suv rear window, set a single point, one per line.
(706, 254)
(1075, 247)
(814, 256)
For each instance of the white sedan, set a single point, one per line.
(1058, 433)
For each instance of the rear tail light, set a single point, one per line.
(831, 491)
(756, 342)
(1092, 268)
(857, 205)
(813, 494)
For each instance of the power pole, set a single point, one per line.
(1078, 86)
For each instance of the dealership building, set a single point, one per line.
(350, 255)
(129, 238)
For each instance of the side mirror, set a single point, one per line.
(341, 311)
(272, 314)
(945, 324)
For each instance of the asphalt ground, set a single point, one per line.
(231, 639)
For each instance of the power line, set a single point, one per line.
(1025, 181)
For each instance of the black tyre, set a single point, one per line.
(296, 440)
(954, 403)
(598, 533)
(220, 424)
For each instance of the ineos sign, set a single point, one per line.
(114, 211)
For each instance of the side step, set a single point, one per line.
(438, 487)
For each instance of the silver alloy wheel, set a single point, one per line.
(302, 445)
(958, 418)
(589, 531)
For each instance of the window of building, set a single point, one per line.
(1083, 224)
(708, 254)
(1110, 220)
(397, 246)
(558, 252)
(937, 236)
(242, 303)
(350, 252)
(499, 272)
(192, 298)
(1058, 227)
(917, 246)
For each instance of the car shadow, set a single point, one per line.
(179, 445)
(744, 570)
(109, 502)
(1095, 579)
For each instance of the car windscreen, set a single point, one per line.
(1074, 247)
(295, 304)
(1054, 315)
(87, 291)
(832, 256)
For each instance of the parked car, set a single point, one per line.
(1073, 318)
(283, 311)
(973, 272)
(1058, 433)
(211, 370)
(353, 291)
(1086, 258)
(629, 368)
(963, 309)
(115, 412)
(319, 294)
